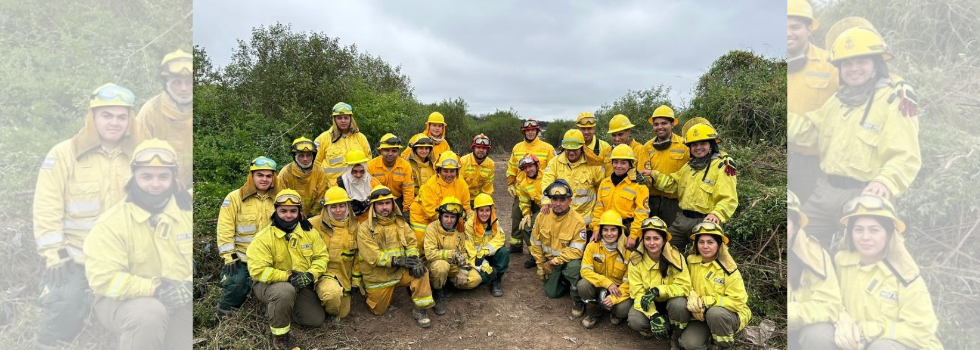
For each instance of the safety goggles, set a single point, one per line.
(392, 141)
(653, 223)
(155, 157)
(868, 202)
(423, 142)
(264, 162)
(379, 193)
(452, 208)
(559, 191)
(118, 94)
(304, 147)
(586, 122)
(525, 161)
(342, 110)
(706, 227)
(288, 199)
(178, 67)
(449, 163)
(531, 124)
(481, 141)
(571, 144)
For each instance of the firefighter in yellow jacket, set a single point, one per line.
(718, 300)
(886, 303)
(79, 179)
(337, 226)
(478, 168)
(389, 258)
(393, 171)
(867, 135)
(813, 299)
(529, 195)
(358, 183)
(243, 212)
(667, 153)
(621, 130)
(422, 162)
(445, 184)
(705, 185)
(596, 150)
(487, 240)
(604, 281)
(447, 253)
(659, 283)
(169, 115)
(139, 256)
(285, 260)
(304, 177)
(557, 244)
(342, 137)
(534, 145)
(584, 178)
(623, 193)
(435, 130)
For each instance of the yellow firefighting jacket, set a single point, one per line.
(431, 194)
(340, 238)
(159, 118)
(583, 178)
(331, 148)
(603, 268)
(443, 245)
(437, 148)
(644, 275)
(818, 298)
(707, 191)
(719, 288)
(485, 241)
(808, 88)
(557, 237)
(243, 213)
(398, 178)
(421, 172)
(597, 152)
(310, 187)
(543, 150)
(379, 240)
(271, 258)
(529, 191)
(629, 199)
(668, 161)
(479, 177)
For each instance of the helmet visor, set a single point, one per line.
(264, 162)
(178, 67)
(481, 141)
(452, 208)
(528, 124)
(586, 122)
(868, 202)
(288, 199)
(154, 157)
(382, 192)
(706, 227)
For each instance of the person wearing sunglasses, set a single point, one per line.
(487, 240)
(596, 150)
(431, 194)
(343, 137)
(604, 281)
(243, 212)
(717, 301)
(286, 259)
(448, 255)
(659, 283)
(358, 183)
(666, 153)
(584, 177)
(169, 116)
(389, 259)
(557, 244)
(705, 185)
(301, 175)
(529, 195)
(79, 179)
(534, 145)
(337, 226)
(623, 193)
(435, 130)
(422, 163)
(393, 171)
(621, 130)
(138, 256)
(813, 300)
(478, 168)
(887, 304)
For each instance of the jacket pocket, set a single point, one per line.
(817, 80)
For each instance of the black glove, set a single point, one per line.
(417, 271)
(231, 269)
(411, 261)
(173, 294)
(399, 261)
(300, 280)
(478, 262)
(659, 326)
(59, 275)
(648, 297)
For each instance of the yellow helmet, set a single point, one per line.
(342, 108)
(611, 217)
(873, 206)
(482, 200)
(450, 205)
(692, 122)
(262, 163)
(380, 193)
(335, 195)
(303, 144)
(801, 8)
(177, 63)
(111, 95)
(701, 132)
(793, 205)
(655, 223)
(845, 24)
(558, 189)
(390, 141)
(585, 120)
(448, 160)
(355, 156)
(708, 228)
(154, 152)
(420, 140)
(622, 152)
(288, 197)
(857, 42)
(619, 123)
(664, 111)
(573, 139)
(436, 118)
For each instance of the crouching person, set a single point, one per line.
(486, 238)
(557, 244)
(446, 253)
(337, 226)
(659, 282)
(603, 271)
(718, 300)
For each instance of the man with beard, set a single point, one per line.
(169, 115)
(448, 254)
(596, 150)
(477, 168)
(665, 153)
(435, 130)
(558, 244)
(310, 181)
(532, 145)
(584, 178)
(393, 171)
(358, 183)
(342, 137)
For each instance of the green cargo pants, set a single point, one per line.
(63, 307)
(499, 261)
(284, 304)
(664, 208)
(144, 323)
(680, 230)
(824, 209)
(719, 323)
(518, 237)
(234, 289)
(817, 336)
(564, 279)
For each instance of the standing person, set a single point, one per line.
(529, 193)
(705, 185)
(169, 116)
(604, 280)
(558, 242)
(435, 130)
(301, 175)
(243, 212)
(478, 168)
(584, 178)
(533, 145)
(659, 283)
(718, 300)
(626, 195)
(338, 226)
(596, 150)
(886, 303)
(79, 179)
(813, 299)
(487, 239)
(446, 184)
(621, 130)
(447, 253)
(810, 81)
(285, 260)
(342, 137)
(389, 258)
(867, 135)
(666, 153)
(139, 256)
(421, 160)
(358, 183)
(393, 171)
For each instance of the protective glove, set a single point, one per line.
(547, 267)
(525, 222)
(648, 298)
(659, 326)
(728, 163)
(418, 270)
(59, 275)
(846, 332)
(231, 269)
(411, 261)
(300, 280)
(541, 275)
(512, 190)
(399, 261)
(463, 276)
(173, 294)
(458, 259)
(696, 306)
(486, 268)
(708, 300)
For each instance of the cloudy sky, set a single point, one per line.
(546, 59)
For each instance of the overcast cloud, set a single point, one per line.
(546, 59)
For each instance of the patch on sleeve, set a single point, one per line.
(48, 163)
(583, 234)
(226, 203)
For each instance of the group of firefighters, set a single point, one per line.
(853, 148)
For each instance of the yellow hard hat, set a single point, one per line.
(450, 205)
(380, 193)
(111, 95)
(420, 140)
(355, 156)
(857, 42)
(436, 118)
(482, 200)
(335, 195)
(873, 206)
(288, 197)
(390, 141)
(845, 24)
(701, 132)
(585, 120)
(655, 223)
(448, 160)
(342, 108)
(154, 152)
(303, 144)
(801, 8)
(177, 63)
(622, 152)
(692, 122)
(664, 111)
(611, 217)
(619, 123)
(262, 163)
(708, 228)
(793, 204)
(573, 139)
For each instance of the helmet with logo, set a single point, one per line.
(111, 95)
(858, 42)
(664, 111)
(701, 132)
(619, 123)
(622, 152)
(447, 160)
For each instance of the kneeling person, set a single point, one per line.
(558, 240)
(487, 238)
(337, 226)
(603, 271)
(447, 253)
(659, 282)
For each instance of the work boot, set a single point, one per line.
(224, 314)
(613, 320)
(675, 339)
(421, 317)
(440, 296)
(495, 289)
(284, 342)
(578, 309)
(517, 248)
(646, 335)
(530, 263)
